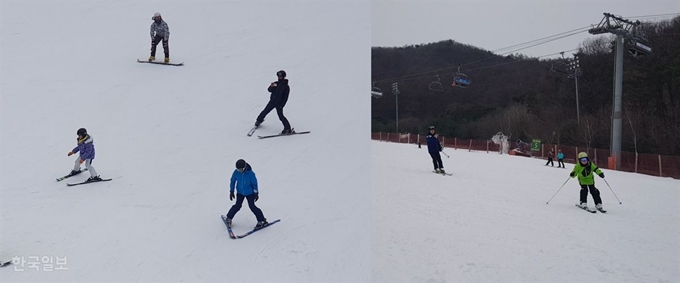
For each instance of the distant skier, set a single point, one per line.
(86, 148)
(159, 32)
(550, 158)
(560, 158)
(584, 170)
(434, 147)
(278, 98)
(244, 181)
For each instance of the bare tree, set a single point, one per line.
(587, 131)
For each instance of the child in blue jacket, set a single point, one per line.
(560, 158)
(244, 181)
(86, 148)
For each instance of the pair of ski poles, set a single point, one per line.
(565, 182)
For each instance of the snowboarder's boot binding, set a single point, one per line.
(152, 58)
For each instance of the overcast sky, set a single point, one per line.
(497, 24)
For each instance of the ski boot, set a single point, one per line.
(261, 224)
(286, 132)
(94, 179)
(229, 222)
(441, 170)
(583, 205)
(436, 170)
(599, 208)
(152, 58)
(167, 60)
(74, 172)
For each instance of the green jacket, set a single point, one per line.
(585, 173)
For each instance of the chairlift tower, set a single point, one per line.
(623, 29)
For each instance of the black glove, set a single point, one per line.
(572, 174)
(602, 175)
(257, 196)
(231, 195)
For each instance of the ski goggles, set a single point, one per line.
(584, 159)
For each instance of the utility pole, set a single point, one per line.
(623, 29)
(395, 91)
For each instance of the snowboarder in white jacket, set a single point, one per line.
(159, 32)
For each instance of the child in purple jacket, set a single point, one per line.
(86, 149)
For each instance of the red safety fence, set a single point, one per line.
(650, 164)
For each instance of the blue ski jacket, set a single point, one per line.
(244, 182)
(433, 144)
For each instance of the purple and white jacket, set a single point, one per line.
(85, 147)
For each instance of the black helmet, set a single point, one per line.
(430, 128)
(81, 132)
(240, 164)
(281, 74)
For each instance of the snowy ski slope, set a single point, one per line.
(489, 222)
(169, 136)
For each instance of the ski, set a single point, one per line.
(69, 175)
(231, 233)
(6, 263)
(87, 182)
(252, 131)
(443, 174)
(255, 230)
(161, 63)
(281, 135)
(586, 209)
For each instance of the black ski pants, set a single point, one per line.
(560, 163)
(550, 161)
(251, 203)
(154, 43)
(279, 110)
(593, 191)
(437, 160)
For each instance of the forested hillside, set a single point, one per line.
(523, 98)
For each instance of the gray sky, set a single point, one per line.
(497, 24)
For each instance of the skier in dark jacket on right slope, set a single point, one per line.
(278, 98)
(434, 147)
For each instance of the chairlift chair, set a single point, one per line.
(461, 80)
(437, 85)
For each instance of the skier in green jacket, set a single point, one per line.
(584, 169)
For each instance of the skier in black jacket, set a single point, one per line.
(278, 98)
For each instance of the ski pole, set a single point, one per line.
(565, 182)
(447, 156)
(610, 188)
